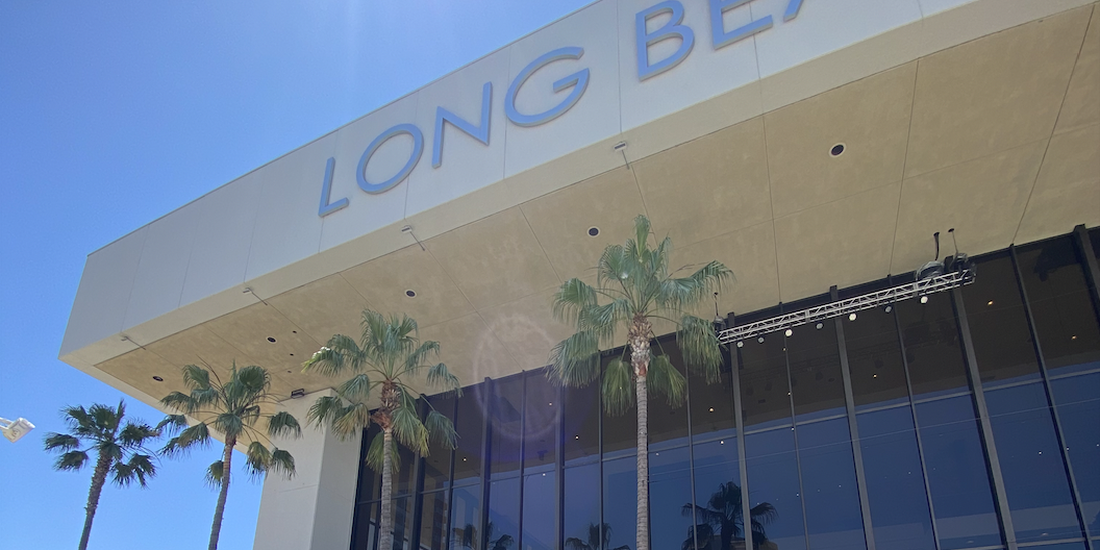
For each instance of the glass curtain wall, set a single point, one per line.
(968, 420)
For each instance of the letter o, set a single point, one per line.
(418, 148)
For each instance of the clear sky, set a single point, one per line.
(113, 114)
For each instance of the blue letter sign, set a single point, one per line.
(672, 29)
(418, 147)
(578, 80)
(480, 133)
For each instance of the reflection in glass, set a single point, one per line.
(404, 472)
(433, 521)
(364, 535)
(895, 484)
(594, 538)
(833, 517)
(581, 415)
(874, 360)
(620, 432)
(957, 475)
(669, 489)
(773, 479)
(539, 509)
(816, 383)
(711, 406)
(582, 502)
(998, 324)
(718, 494)
(540, 431)
(503, 511)
(1061, 307)
(402, 523)
(1078, 402)
(932, 346)
(469, 425)
(620, 501)
(437, 463)
(1031, 464)
(466, 518)
(667, 424)
(765, 393)
(505, 426)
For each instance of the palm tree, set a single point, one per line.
(724, 513)
(388, 357)
(636, 288)
(120, 450)
(231, 408)
(599, 538)
(466, 536)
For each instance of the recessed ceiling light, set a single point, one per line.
(989, 303)
(837, 150)
(158, 379)
(410, 293)
(271, 339)
(292, 355)
(924, 299)
(852, 317)
(593, 231)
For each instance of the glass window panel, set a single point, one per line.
(998, 324)
(620, 502)
(539, 510)
(437, 463)
(1061, 306)
(1094, 236)
(582, 507)
(712, 406)
(370, 482)
(833, 517)
(718, 494)
(1063, 546)
(895, 484)
(874, 359)
(403, 523)
(957, 474)
(932, 347)
(466, 518)
(765, 394)
(582, 423)
(1031, 464)
(364, 534)
(503, 532)
(505, 426)
(667, 424)
(620, 432)
(470, 427)
(669, 493)
(433, 521)
(540, 447)
(816, 382)
(404, 478)
(1078, 402)
(773, 482)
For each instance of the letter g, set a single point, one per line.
(578, 80)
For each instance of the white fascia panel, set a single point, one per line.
(162, 269)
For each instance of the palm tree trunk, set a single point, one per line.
(98, 478)
(643, 464)
(385, 541)
(216, 530)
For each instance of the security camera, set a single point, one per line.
(15, 430)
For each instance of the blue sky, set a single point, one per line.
(113, 114)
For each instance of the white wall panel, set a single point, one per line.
(158, 284)
(99, 309)
(220, 253)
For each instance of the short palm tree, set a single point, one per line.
(466, 537)
(599, 538)
(723, 513)
(388, 357)
(120, 451)
(634, 288)
(231, 408)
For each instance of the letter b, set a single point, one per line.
(672, 29)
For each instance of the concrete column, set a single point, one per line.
(313, 510)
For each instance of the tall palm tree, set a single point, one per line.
(120, 451)
(636, 288)
(388, 357)
(724, 513)
(231, 408)
(599, 538)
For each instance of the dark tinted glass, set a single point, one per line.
(1094, 236)
(1061, 306)
(620, 501)
(816, 382)
(998, 324)
(466, 518)
(505, 425)
(470, 426)
(711, 406)
(895, 484)
(364, 535)
(1078, 402)
(957, 475)
(874, 359)
(718, 492)
(931, 346)
(668, 425)
(433, 521)
(765, 393)
(582, 423)
(582, 505)
(833, 518)
(1034, 478)
(539, 509)
(540, 429)
(402, 523)
(1064, 546)
(503, 513)
(669, 492)
(773, 484)
(405, 476)
(437, 463)
(370, 482)
(620, 432)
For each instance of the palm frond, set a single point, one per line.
(257, 459)
(441, 429)
(183, 402)
(572, 298)
(356, 388)
(194, 436)
(135, 435)
(282, 463)
(664, 379)
(374, 454)
(213, 477)
(699, 346)
(229, 423)
(72, 460)
(420, 356)
(283, 424)
(172, 424)
(196, 378)
(64, 442)
(618, 387)
(575, 361)
(351, 420)
(408, 429)
(440, 377)
(139, 468)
